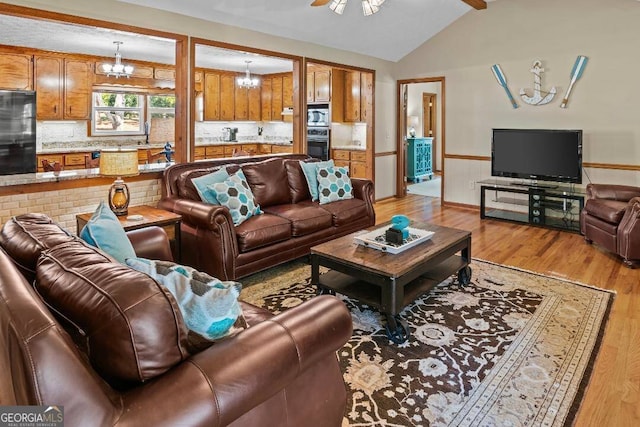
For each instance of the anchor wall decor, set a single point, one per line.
(538, 98)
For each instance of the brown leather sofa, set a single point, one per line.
(290, 226)
(611, 218)
(109, 344)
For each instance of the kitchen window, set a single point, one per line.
(117, 114)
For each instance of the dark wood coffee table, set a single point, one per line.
(390, 282)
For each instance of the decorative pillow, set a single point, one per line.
(234, 193)
(334, 184)
(202, 184)
(105, 232)
(210, 307)
(310, 170)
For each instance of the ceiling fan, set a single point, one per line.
(369, 7)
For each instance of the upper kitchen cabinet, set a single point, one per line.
(287, 91)
(352, 96)
(227, 97)
(48, 86)
(265, 99)
(211, 96)
(366, 97)
(318, 86)
(63, 87)
(276, 95)
(16, 72)
(77, 89)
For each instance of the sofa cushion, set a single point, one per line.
(24, 237)
(268, 181)
(234, 194)
(132, 326)
(305, 219)
(104, 231)
(334, 184)
(310, 170)
(610, 211)
(203, 182)
(262, 230)
(298, 186)
(345, 212)
(209, 306)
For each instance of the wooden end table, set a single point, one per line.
(389, 281)
(151, 216)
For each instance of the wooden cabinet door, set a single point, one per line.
(276, 98)
(227, 98)
(241, 105)
(199, 81)
(254, 104)
(322, 86)
(48, 86)
(366, 96)
(16, 72)
(287, 91)
(352, 96)
(358, 170)
(311, 91)
(211, 96)
(77, 89)
(265, 99)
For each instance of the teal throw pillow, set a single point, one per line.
(334, 184)
(310, 170)
(235, 194)
(209, 306)
(105, 232)
(203, 182)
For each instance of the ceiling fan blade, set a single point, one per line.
(320, 2)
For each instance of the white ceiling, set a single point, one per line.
(396, 30)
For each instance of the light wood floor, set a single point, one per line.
(613, 396)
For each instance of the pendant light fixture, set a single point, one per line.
(247, 81)
(369, 7)
(117, 69)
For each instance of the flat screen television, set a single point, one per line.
(537, 154)
(17, 132)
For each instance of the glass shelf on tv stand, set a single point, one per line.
(550, 186)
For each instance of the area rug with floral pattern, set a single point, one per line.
(512, 348)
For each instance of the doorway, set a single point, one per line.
(420, 117)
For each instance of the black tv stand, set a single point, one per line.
(552, 207)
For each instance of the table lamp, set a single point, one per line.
(119, 162)
(413, 121)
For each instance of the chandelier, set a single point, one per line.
(117, 69)
(247, 81)
(369, 7)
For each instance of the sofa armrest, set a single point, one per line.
(220, 384)
(363, 190)
(151, 243)
(198, 214)
(621, 193)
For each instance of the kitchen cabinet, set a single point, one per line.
(211, 96)
(77, 90)
(254, 104)
(366, 97)
(352, 96)
(275, 149)
(241, 104)
(16, 72)
(51, 158)
(318, 86)
(227, 97)
(265, 99)
(48, 86)
(276, 98)
(355, 160)
(287, 91)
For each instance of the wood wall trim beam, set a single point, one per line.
(476, 4)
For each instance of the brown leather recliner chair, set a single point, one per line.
(611, 218)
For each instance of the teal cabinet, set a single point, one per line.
(419, 158)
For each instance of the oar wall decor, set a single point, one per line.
(502, 80)
(576, 73)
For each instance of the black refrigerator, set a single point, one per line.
(17, 132)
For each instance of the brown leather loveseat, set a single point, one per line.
(290, 225)
(109, 345)
(611, 218)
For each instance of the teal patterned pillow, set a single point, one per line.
(235, 194)
(310, 171)
(201, 183)
(334, 184)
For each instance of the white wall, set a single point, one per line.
(514, 33)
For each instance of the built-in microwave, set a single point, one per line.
(318, 115)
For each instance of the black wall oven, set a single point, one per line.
(318, 142)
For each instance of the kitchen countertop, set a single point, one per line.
(85, 148)
(349, 147)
